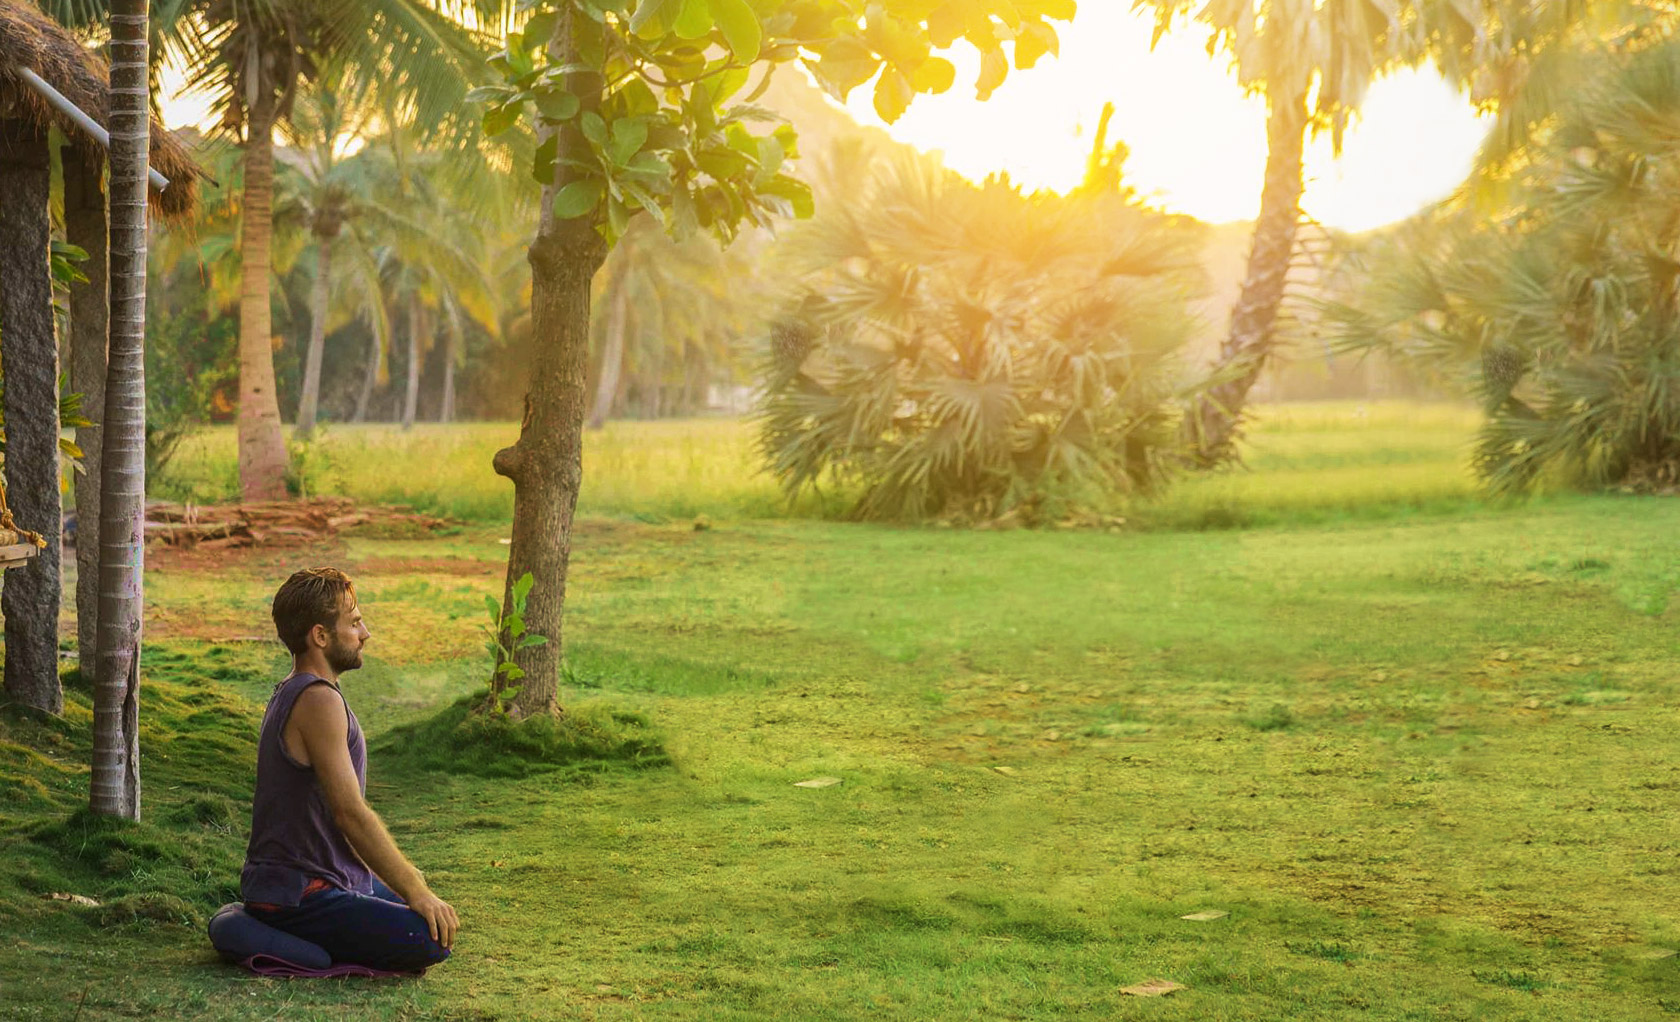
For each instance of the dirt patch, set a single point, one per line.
(267, 560)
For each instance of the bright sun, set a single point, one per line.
(1198, 145)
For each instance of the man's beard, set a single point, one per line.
(343, 658)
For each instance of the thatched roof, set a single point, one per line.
(28, 38)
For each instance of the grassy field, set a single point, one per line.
(1422, 760)
(1306, 464)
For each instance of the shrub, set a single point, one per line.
(965, 352)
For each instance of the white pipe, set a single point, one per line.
(75, 113)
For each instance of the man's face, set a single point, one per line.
(344, 648)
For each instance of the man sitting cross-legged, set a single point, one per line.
(313, 836)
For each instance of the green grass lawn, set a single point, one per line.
(1422, 760)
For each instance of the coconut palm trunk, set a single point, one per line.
(411, 396)
(262, 450)
(612, 360)
(1214, 423)
(370, 378)
(319, 292)
(452, 344)
(29, 356)
(546, 463)
(115, 786)
(85, 227)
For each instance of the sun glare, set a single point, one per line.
(1198, 145)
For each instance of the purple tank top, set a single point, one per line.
(293, 835)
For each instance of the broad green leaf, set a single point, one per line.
(501, 119)
(1036, 39)
(1057, 10)
(936, 75)
(557, 104)
(994, 68)
(740, 27)
(695, 20)
(578, 199)
(946, 24)
(489, 94)
(511, 693)
(522, 587)
(495, 610)
(628, 137)
(649, 19)
(618, 218)
(770, 157)
(729, 83)
(515, 673)
(594, 128)
(846, 63)
(540, 29)
(892, 94)
(532, 640)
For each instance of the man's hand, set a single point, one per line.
(439, 917)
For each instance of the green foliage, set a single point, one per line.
(1559, 312)
(309, 463)
(641, 95)
(507, 636)
(590, 738)
(968, 351)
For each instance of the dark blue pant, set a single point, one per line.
(377, 930)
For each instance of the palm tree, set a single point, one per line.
(319, 127)
(1313, 60)
(1560, 313)
(969, 352)
(670, 305)
(254, 56)
(115, 785)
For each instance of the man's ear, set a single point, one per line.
(319, 636)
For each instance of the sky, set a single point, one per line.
(1198, 145)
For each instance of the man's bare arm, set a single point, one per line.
(324, 730)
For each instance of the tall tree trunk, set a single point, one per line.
(319, 292)
(546, 463)
(115, 787)
(29, 360)
(262, 450)
(90, 318)
(452, 342)
(1214, 423)
(411, 397)
(368, 380)
(612, 360)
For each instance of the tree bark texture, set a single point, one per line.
(546, 464)
(411, 396)
(115, 786)
(29, 361)
(368, 379)
(612, 360)
(262, 449)
(90, 318)
(320, 292)
(1215, 421)
(452, 344)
